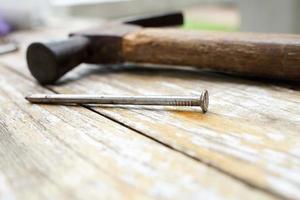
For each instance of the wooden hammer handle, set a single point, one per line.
(259, 55)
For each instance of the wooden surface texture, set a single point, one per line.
(246, 147)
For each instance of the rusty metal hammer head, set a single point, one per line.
(48, 62)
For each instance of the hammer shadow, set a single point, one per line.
(184, 73)
(85, 71)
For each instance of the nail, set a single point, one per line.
(202, 101)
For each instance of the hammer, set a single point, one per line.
(272, 56)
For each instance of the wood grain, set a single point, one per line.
(251, 132)
(248, 54)
(243, 135)
(56, 152)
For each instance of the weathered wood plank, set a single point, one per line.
(251, 132)
(56, 152)
(36, 160)
(250, 126)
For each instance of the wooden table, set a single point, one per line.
(246, 147)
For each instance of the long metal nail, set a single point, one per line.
(202, 101)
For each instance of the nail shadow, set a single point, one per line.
(149, 108)
(133, 107)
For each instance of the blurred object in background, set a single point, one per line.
(270, 16)
(24, 14)
(6, 45)
(123, 8)
(279, 16)
(4, 27)
(213, 17)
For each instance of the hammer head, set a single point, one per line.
(49, 62)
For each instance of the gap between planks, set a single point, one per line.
(119, 119)
(179, 156)
(247, 183)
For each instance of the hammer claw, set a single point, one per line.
(162, 20)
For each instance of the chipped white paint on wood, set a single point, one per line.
(5, 190)
(251, 131)
(56, 152)
(236, 134)
(250, 126)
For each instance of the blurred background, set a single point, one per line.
(279, 16)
